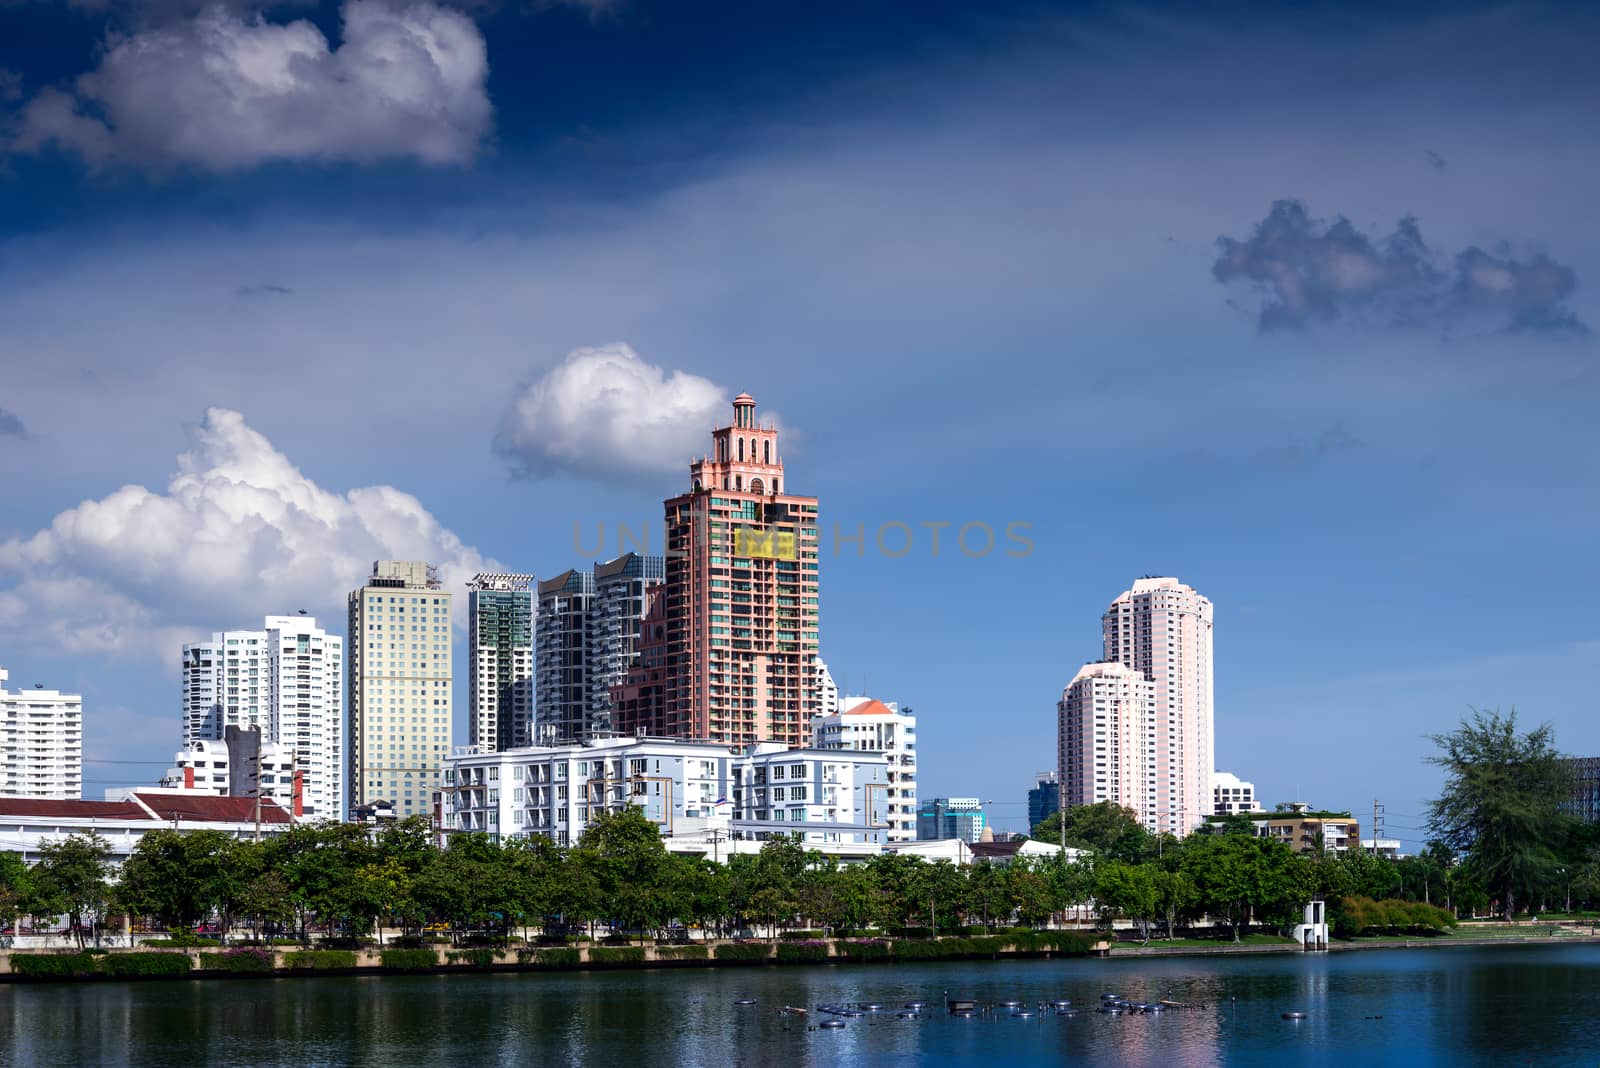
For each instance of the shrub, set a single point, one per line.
(746, 951)
(146, 965)
(409, 960)
(870, 949)
(911, 932)
(549, 958)
(802, 952)
(319, 960)
(473, 958)
(238, 961)
(682, 953)
(802, 936)
(53, 965)
(183, 940)
(918, 950)
(617, 955)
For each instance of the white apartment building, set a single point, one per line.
(1105, 740)
(827, 690)
(1232, 795)
(1163, 628)
(41, 743)
(400, 673)
(500, 660)
(285, 680)
(832, 798)
(867, 725)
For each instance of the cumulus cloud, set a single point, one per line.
(239, 533)
(1306, 271)
(11, 425)
(223, 92)
(605, 413)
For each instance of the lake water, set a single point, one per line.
(1501, 1006)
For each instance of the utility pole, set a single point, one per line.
(257, 790)
(1377, 824)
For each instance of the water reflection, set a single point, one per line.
(1453, 1006)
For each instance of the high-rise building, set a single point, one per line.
(1231, 795)
(1583, 801)
(1044, 799)
(1162, 628)
(587, 639)
(400, 675)
(868, 725)
(941, 818)
(739, 623)
(1105, 740)
(500, 661)
(624, 590)
(41, 743)
(285, 680)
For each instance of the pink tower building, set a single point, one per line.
(728, 652)
(1163, 628)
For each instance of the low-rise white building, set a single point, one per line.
(41, 743)
(231, 768)
(126, 816)
(1231, 795)
(697, 792)
(867, 725)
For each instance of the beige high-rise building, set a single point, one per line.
(400, 686)
(1105, 740)
(1163, 628)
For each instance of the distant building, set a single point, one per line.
(285, 680)
(500, 660)
(962, 853)
(951, 817)
(1232, 795)
(1388, 848)
(689, 789)
(586, 640)
(1585, 802)
(1105, 747)
(827, 690)
(400, 671)
(238, 766)
(41, 743)
(1305, 830)
(868, 725)
(1044, 800)
(1162, 628)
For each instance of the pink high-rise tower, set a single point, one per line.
(1163, 628)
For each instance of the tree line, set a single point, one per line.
(1504, 837)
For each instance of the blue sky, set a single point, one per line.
(1294, 303)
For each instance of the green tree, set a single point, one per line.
(1238, 878)
(1501, 807)
(16, 887)
(1129, 890)
(1107, 829)
(182, 877)
(71, 877)
(630, 865)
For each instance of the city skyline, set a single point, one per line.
(1166, 284)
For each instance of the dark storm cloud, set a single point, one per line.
(1306, 271)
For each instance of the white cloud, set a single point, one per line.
(239, 533)
(604, 413)
(226, 93)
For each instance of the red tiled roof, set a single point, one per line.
(873, 707)
(211, 808)
(68, 809)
